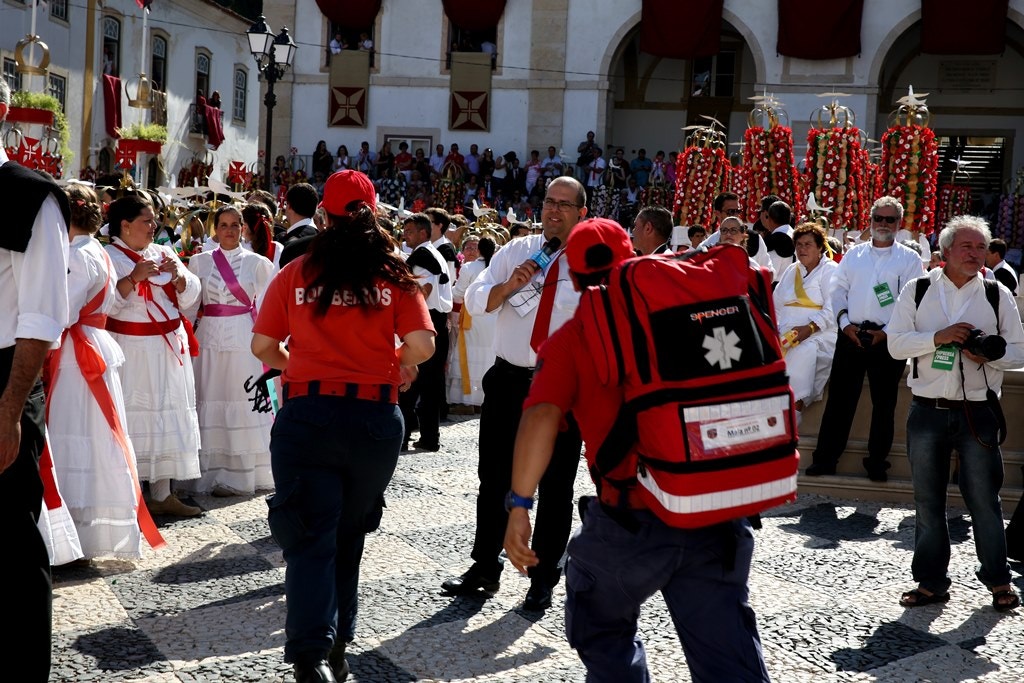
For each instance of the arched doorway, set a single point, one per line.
(653, 98)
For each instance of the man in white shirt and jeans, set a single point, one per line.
(955, 380)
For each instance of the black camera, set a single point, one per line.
(863, 333)
(991, 346)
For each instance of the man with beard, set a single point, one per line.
(865, 287)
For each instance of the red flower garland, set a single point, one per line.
(771, 167)
(954, 200)
(701, 173)
(835, 175)
(910, 162)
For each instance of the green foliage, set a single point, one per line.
(144, 131)
(38, 100)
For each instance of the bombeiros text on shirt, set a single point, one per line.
(378, 296)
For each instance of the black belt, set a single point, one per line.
(505, 366)
(945, 403)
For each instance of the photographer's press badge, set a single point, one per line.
(944, 357)
(884, 294)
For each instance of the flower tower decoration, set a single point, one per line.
(954, 197)
(702, 171)
(451, 188)
(658, 191)
(770, 167)
(835, 165)
(910, 162)
(1010, 222)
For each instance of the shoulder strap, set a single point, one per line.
(992, 294)
(920, 287)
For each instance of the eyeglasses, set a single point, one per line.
(884, 219)
(732, 212)
(730, 231)
(561, 205)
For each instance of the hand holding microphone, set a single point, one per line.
(525, 271)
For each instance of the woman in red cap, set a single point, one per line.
(342, 306)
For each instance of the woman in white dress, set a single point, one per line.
(258, 231)
(153, 287)
(92, 455)
(803, 309)
(235, 452)
(472, 351)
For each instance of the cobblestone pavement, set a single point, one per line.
(210, 607)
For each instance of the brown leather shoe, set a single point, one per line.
(173, 507)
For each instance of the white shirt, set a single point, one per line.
(513, 331)
(761, 258)
(911, 333)
(817, 286)
(440, 297)
(451, 264)
(551, 166)
(473, 165)
(863, 267)
(780, 263)
(29, 307)
(294, 228)
(596, 172)
(926, 249)
(437, 162)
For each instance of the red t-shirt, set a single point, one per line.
(351, 343)
(566, 377)
(403, 161)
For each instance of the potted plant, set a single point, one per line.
(146, 137)
(44, 109)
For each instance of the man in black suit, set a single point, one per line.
(302, 200)
(1000, 268)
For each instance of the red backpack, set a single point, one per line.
(707, 432)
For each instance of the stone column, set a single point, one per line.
(280, 13)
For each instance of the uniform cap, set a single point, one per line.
(597, 244)
(345, 187)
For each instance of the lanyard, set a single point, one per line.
(945, 307)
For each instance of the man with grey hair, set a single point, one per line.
(33, 314)
(864, 291)
(955, 381)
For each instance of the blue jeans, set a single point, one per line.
(932, 434)
(332, 457)
(701, 573)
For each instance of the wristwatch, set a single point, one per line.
(512, 500)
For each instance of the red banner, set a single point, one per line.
(954, 27)
(351, 14)
(29, 115)
(237, 173)
(112, 104)
(819, 30)
(474, 15)
(681, 30)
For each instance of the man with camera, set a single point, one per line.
(864, 291)
(962, 331)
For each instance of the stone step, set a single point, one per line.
(850, 480)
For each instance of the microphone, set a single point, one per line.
(543, 257)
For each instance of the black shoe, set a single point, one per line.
(876, 470)
(820, 469)
(471, 582)
(877, 474)
(314, 673)
(425, 445)
(538, 598)
(337, 661)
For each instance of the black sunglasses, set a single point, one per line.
(884, 219)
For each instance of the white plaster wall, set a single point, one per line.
(188, 24)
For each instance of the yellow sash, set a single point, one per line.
(465, 323)
(802, 300)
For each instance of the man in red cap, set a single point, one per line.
(702, 573)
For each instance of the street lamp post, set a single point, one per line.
(273, 55)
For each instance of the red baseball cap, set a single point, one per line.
(597, 244)
(345, 187)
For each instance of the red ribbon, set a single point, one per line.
(91, 363)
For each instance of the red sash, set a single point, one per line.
(145, 289)
(91, 363)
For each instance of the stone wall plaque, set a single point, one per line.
(967, 74)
